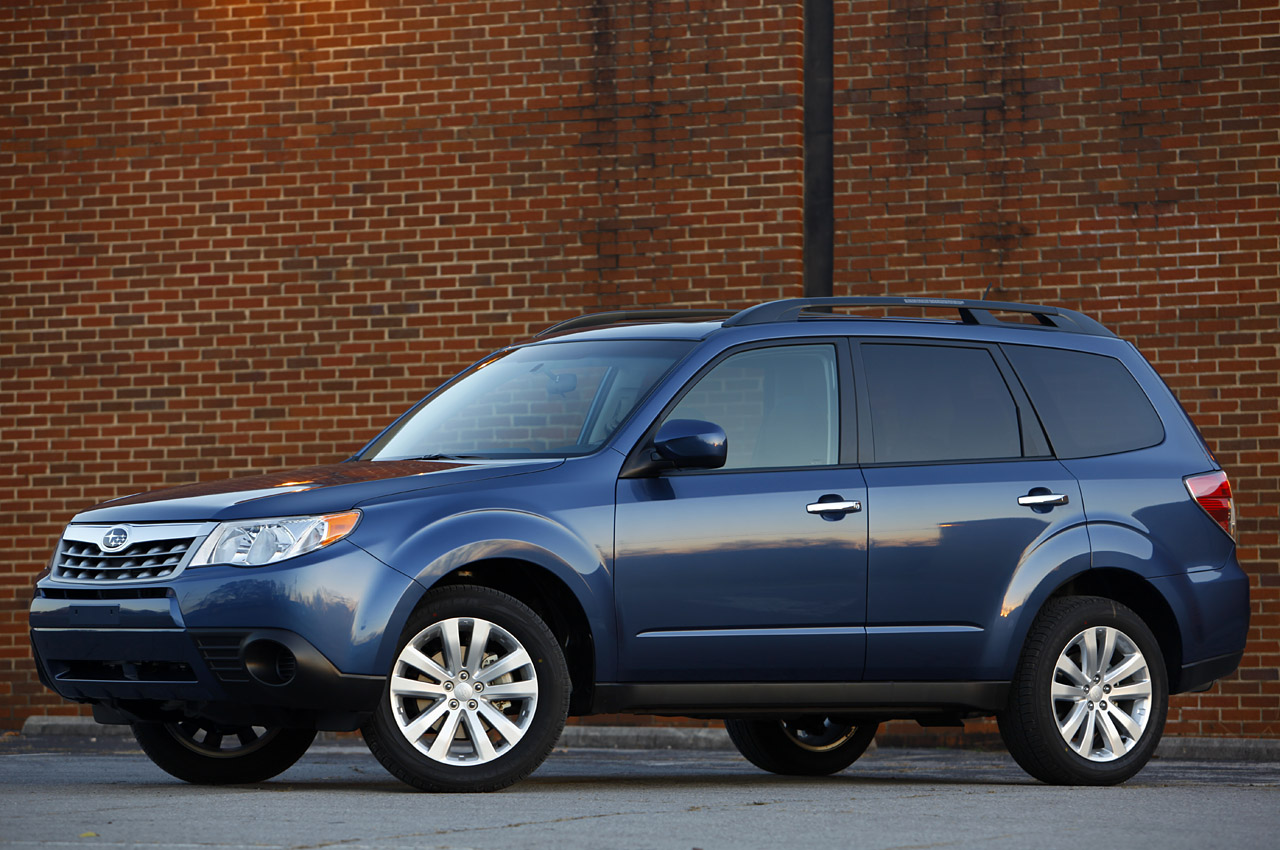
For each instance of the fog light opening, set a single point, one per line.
(270, 663)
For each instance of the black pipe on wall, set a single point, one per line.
(819, 162)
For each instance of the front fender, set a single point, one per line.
(451, 543)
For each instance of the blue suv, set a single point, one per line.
(799, 521)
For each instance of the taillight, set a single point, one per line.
(1212, 491)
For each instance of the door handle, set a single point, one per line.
(834, 507)
(1042, 500)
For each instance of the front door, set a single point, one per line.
(730, 575)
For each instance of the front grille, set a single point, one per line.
(86, 561)
(222, 655)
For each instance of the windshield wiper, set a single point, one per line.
(444, 457)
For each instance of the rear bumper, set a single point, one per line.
(1211, 608)
(1202, 674)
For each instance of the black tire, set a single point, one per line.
(492, 742)
(208, 754)
(1084, 735)
(801, 746)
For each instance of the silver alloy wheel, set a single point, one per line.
(463, 691)
(1101, 694)
(818, 740)
(220, 742)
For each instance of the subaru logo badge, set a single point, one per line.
(116, 538)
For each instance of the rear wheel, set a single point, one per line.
(1090, 695)
(801, 746)
(210, 754)
(477, 696)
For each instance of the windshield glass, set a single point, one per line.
(555, 399)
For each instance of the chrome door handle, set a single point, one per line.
(1043, 500)
(834, 507)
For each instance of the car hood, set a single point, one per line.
(299, 492)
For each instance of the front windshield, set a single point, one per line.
(555, 399)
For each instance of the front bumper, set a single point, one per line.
(269, 677)
(295, 644)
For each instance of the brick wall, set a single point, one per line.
(1118, 157)
(241, 236)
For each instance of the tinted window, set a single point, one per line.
(938, 403)
(1088, 403)
(779, 407)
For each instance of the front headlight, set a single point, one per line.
(258, 542)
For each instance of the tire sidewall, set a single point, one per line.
(168, 751)
(1098, 613)
(420, 770)
(767, 745)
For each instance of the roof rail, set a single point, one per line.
(615, 317)
(971, 312)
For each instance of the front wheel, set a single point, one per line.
(211, 754)
(1089, 697)
(801, 746)
(477, 696)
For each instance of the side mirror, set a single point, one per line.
(692, 444)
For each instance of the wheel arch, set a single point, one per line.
(1050, 565)
(1136, 593)
(565, 578)
(553, 602)
(1063, 567)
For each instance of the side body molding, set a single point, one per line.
(986, 645)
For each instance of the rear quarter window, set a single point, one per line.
(1089, 404)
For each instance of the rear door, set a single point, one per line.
(961, 492)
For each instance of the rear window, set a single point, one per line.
(1089, 404)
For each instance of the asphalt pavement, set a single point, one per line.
(66, 791)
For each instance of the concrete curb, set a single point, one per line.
(62, 728)
(67, 729)
(1220, 749)
(645, 738)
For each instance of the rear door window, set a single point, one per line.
(938, 403)
(1089, 404)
